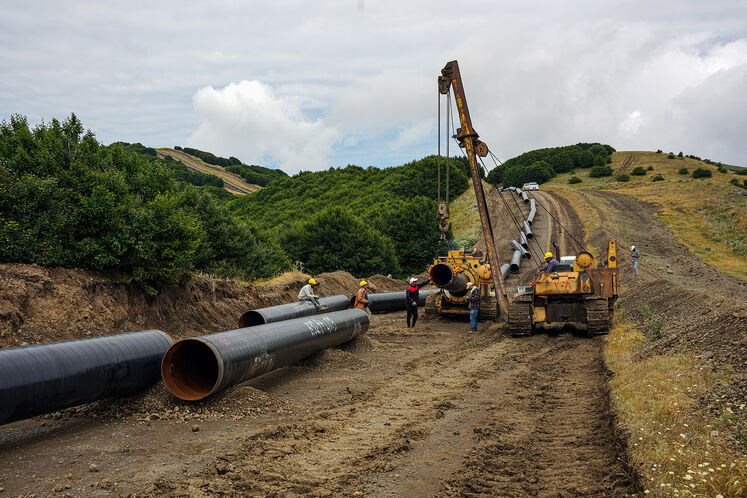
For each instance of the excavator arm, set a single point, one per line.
(468, 139)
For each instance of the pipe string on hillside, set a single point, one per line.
(532, 211)
(524, 196)
(42, 378)
(289, 311)
(528, 230)
(516, 261)
(195, 368)
(526, 254)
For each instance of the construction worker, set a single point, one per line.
(361, 298)
(412, 294)
(551, 263)
(473, 302)
(635, 254)
(307, 294)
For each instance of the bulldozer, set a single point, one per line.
(451, 273)
(578, 291)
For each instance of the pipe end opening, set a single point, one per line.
(441, 274)
(190, 369)
(251, 319)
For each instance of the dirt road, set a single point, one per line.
(435, 410)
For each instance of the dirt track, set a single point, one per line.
(424, 411)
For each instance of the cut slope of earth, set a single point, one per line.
(232, 180)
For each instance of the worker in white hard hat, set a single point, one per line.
(412, 296)
(307, 294)
(635, 254)
(361, 298)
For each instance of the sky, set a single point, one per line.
(312, 85)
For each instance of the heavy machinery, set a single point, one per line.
(451, 274)
(578, 291)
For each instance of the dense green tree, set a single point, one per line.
(539, 172)
(600, 171)
(585, 159)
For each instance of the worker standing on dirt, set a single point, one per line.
(635, 254)
(412, 295)
(551, 263)
(473, 302)
(307, 294)
(361, 298)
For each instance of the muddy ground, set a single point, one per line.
(434, 410)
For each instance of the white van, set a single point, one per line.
(530, 186)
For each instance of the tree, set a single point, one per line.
(600, 171)
(638, 171)
(702, 173)
(539, 172)
(585, 159)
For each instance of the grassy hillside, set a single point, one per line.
(707, 215)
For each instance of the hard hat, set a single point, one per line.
(413, 280)
(548, 255)
(632, 247)
(363, 282)
(312, 281)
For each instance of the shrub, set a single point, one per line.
(658, 151)
(721, 169)
(702, 173)
(741, 171)
(574, 179)
(680, 154)
(670, 156)
(650, 168)
(736, 183)
(600, 171)
(683, 171)
(657, 178)
(622, 178)
(638, 171)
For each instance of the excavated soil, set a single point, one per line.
(434, 410)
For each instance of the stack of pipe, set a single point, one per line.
(195, 368)
(518, 247)
(532, 211)
(289, 311)
(42, 378)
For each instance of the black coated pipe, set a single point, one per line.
(524, 196)
(518, 247)
(195, 368)
(42, 378)
(392, 301)
(523, 240)
(528, 230)
(505, 268)
(516, 261)
(444, 277)
(289, 311)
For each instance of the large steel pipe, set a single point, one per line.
(516, 261)
(524, 196)
(518, 247)
(523, 240)
(46, 377)
(444, 277)
(532, 211)
(505, 268)
(195, 368)
(289, 311)
(528, 230)
(392, 301)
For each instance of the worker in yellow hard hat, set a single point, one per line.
(551, 263)
(361, 298)
(307, 294)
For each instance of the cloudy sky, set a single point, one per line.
(308, 85)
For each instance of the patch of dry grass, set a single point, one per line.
(284, 278)
(676, 449)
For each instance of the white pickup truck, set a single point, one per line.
(530, 186)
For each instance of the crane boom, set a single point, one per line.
(468, 139)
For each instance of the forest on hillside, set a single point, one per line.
(67, 200)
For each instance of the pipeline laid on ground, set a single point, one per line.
(532, 211)
(289, 311)
(523, 240)
(516, 261)
(505, 268)
(524, 196)
(42, 378)
(518, 247)
(392, 301)
(195, 368)
(528, 230)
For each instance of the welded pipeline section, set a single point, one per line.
(195, 368)
(532, 211)
(289, 311)
(387, 302)
(524, 196)
(505, 268)
(444, 277)
(528, 230)
(518, 247)
(516, 261)
(523, 240)
(42, 378)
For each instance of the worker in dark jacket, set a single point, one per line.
(412, 294)
(551, 263)
(473, 303)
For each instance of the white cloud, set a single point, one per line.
(631, 124)
(249, 121)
